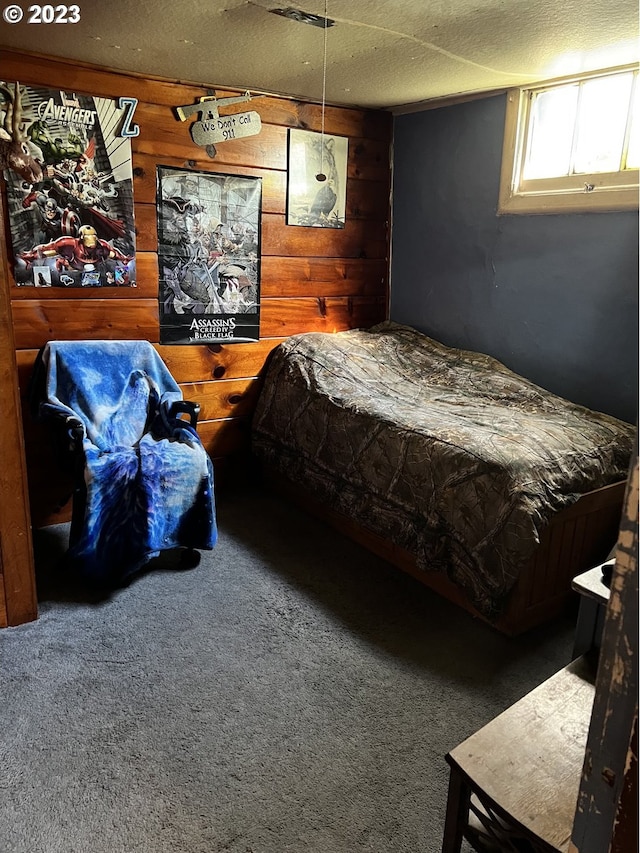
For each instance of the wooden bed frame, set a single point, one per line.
(578, 538)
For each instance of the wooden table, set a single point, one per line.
(594, 595)
(518, 777)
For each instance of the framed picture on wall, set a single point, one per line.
(317, 179)
(208, 256)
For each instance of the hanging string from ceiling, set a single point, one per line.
(321, 175)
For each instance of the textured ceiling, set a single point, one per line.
(380, 53)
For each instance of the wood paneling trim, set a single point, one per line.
(18, 601)
(216, 361)
(227, 398)
(24, 365)
(366, 199)
(36, 322)
(360, 238)
(282, 317)
(284, 276)
(187, 364)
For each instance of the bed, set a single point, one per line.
(484, 486)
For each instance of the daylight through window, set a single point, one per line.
(572, 145)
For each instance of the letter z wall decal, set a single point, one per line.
(128, 128)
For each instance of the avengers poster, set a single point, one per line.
(70, 200)
(209, 257)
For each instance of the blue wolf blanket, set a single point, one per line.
(147, 481)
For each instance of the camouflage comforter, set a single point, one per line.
(446, 452)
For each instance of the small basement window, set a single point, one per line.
(572, 146)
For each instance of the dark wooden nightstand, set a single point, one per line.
(594, 595)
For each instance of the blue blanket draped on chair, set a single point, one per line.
(147, 481)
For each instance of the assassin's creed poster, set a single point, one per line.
(208, 253)
(71, 218)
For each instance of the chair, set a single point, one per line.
(143, 482)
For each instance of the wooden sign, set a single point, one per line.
(223, 128)
(212, 127)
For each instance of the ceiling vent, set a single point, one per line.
(304, 17)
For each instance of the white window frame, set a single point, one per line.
(569, 194)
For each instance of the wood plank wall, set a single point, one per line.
(18, 602)
(312, 279)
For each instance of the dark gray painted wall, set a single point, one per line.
(554, 297)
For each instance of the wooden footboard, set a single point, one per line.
(577, 539)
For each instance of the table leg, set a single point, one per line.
(585, 636)
(457, 812)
